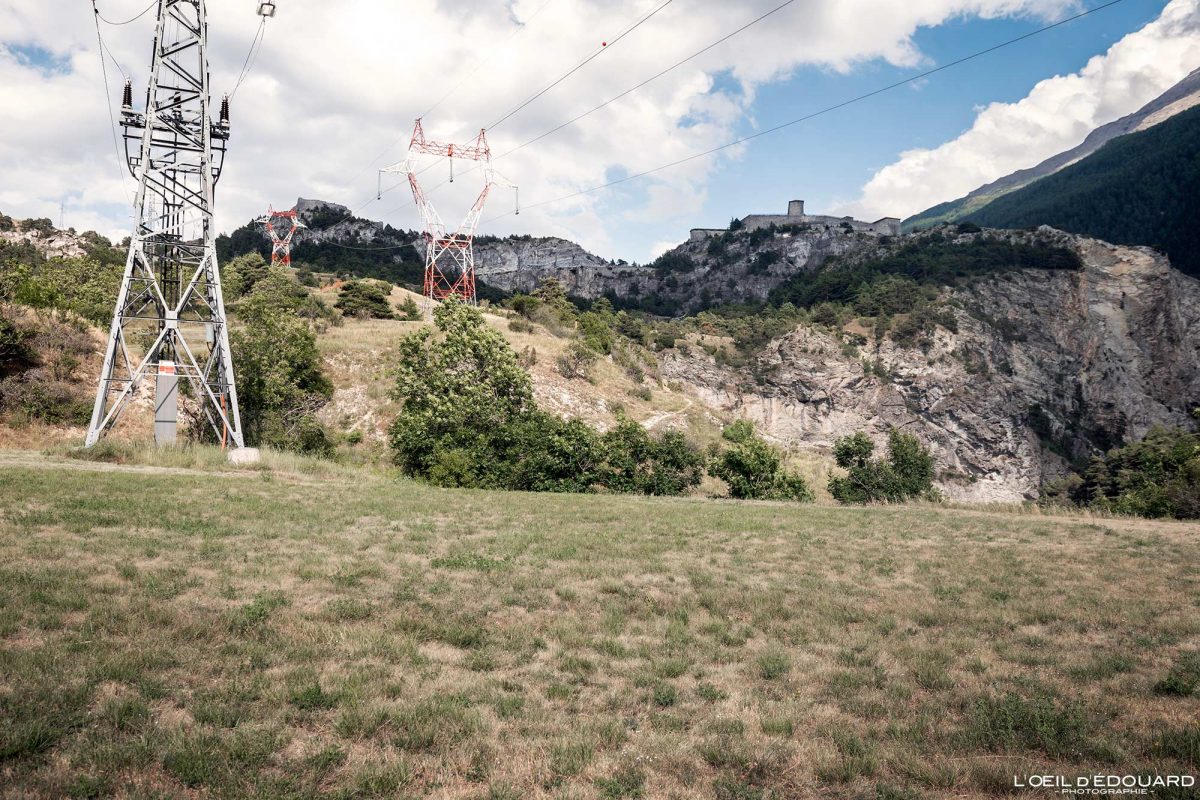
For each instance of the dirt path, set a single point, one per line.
(652, 422)
(31, 459)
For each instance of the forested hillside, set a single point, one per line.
(1140, 189)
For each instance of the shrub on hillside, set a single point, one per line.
(408, 311)
(634, 462)
(673, 261)
(39, 364)
(906, 473)
(754, 469)
(739, 431)
(86, 286)
(576, 361)
(365, 300)
(596, 328)
(281, 386)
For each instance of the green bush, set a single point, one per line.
(408, 310)
(634, 462)
(596, 330)
(754, 470)
(241, 274)
(365, 300)
(906, 473)
(86, 286)
(16, 352)
(739, 431)
(576, 361)
(469, 419)
(281, 386)
(1158, 476)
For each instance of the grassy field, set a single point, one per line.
(183, 630)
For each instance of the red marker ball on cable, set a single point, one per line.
(604, 44)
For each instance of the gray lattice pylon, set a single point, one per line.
(170, 306)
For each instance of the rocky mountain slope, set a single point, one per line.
(1045, 367)
(1179, 98)
(1139, 189)
(741, 266)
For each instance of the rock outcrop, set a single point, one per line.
(1046, 367)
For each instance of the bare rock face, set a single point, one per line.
(50, 242)
(1046, 367)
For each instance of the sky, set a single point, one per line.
(333, 91)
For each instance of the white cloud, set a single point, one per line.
(336, 82)
(1057, 114)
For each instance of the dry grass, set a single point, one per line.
(169, 631)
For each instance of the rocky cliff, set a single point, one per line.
(740, 267)
(1045, 367)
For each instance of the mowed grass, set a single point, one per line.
(281, 634)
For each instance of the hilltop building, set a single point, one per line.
(888, 226)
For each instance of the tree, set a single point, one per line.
(458, 391)
(364, 299)
(281, 385)
(1158, 476)
(241, 274)
(469, 419)
(906, 473)
(408, 310)
(754, 470)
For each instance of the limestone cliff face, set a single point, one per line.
(692, 276)
(1045, 365)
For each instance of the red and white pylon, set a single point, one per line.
(449, 255)
(281, 245)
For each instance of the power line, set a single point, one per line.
(823, 111)
(625, 93)
(126, 22)
(590, 57)
(369, 249)
(651, 79)
(121, 167)
(251, 56)
(455, 88)
(484, 60)
(582, 64)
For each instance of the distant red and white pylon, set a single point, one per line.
(449, 256)
(281, 245)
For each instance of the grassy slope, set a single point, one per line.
(280, 634)
(361, 353)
